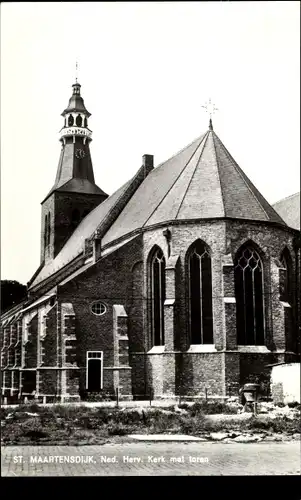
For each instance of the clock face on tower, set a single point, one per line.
(80, 153)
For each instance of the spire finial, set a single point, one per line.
(210, 109)
(76, 71)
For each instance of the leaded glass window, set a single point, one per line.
(157, 268)
(285, 283)
(248, 272)
(200, 294)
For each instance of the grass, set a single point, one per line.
(66, 424)
(212, 408)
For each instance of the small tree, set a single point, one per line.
(12, 292)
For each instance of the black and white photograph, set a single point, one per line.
(150, 239)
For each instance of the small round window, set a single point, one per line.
(98, 308)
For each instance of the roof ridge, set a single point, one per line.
(178, 176)
(181, 150)
(219, 176)
(189, 183)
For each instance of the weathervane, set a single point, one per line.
(76, 71)
(210, 109)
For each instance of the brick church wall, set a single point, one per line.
(188, 373)
(182, 237)
(271, 241)
(202, 371)
(108, 281)
(122, 278)
(222, 373)
(48, 382)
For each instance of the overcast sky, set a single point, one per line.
(146, 69)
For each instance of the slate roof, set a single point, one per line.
(202, 181)
(289, 209)
(74, 175)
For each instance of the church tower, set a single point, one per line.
(74, 193)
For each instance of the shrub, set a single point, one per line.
(84, 422)
(34, 408)
(187, 427)
(117, 429)
(278, 424)
(192, 425)
(159, 420)
(184, 406)
(218, 408)
(197, 408)
(32, 429)
(30, 407)
(69, 411)
(36, 434)
(83, 436)
(170, 408)
(294, 404)
(4, 412)
(103, 416)
(128, 417)
(212, 408)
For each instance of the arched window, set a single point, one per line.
(157, 282)
(248, 274)
(285, 291)
(70, 121)
(200, 294)
(45, 231)
(79, 121)
(85, 122)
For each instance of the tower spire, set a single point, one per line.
(74, 192)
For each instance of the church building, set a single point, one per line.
(185, 281)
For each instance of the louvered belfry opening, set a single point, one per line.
(249, 294)
(157, 274)
(200, 294)
(47, 230)
(79, 121)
